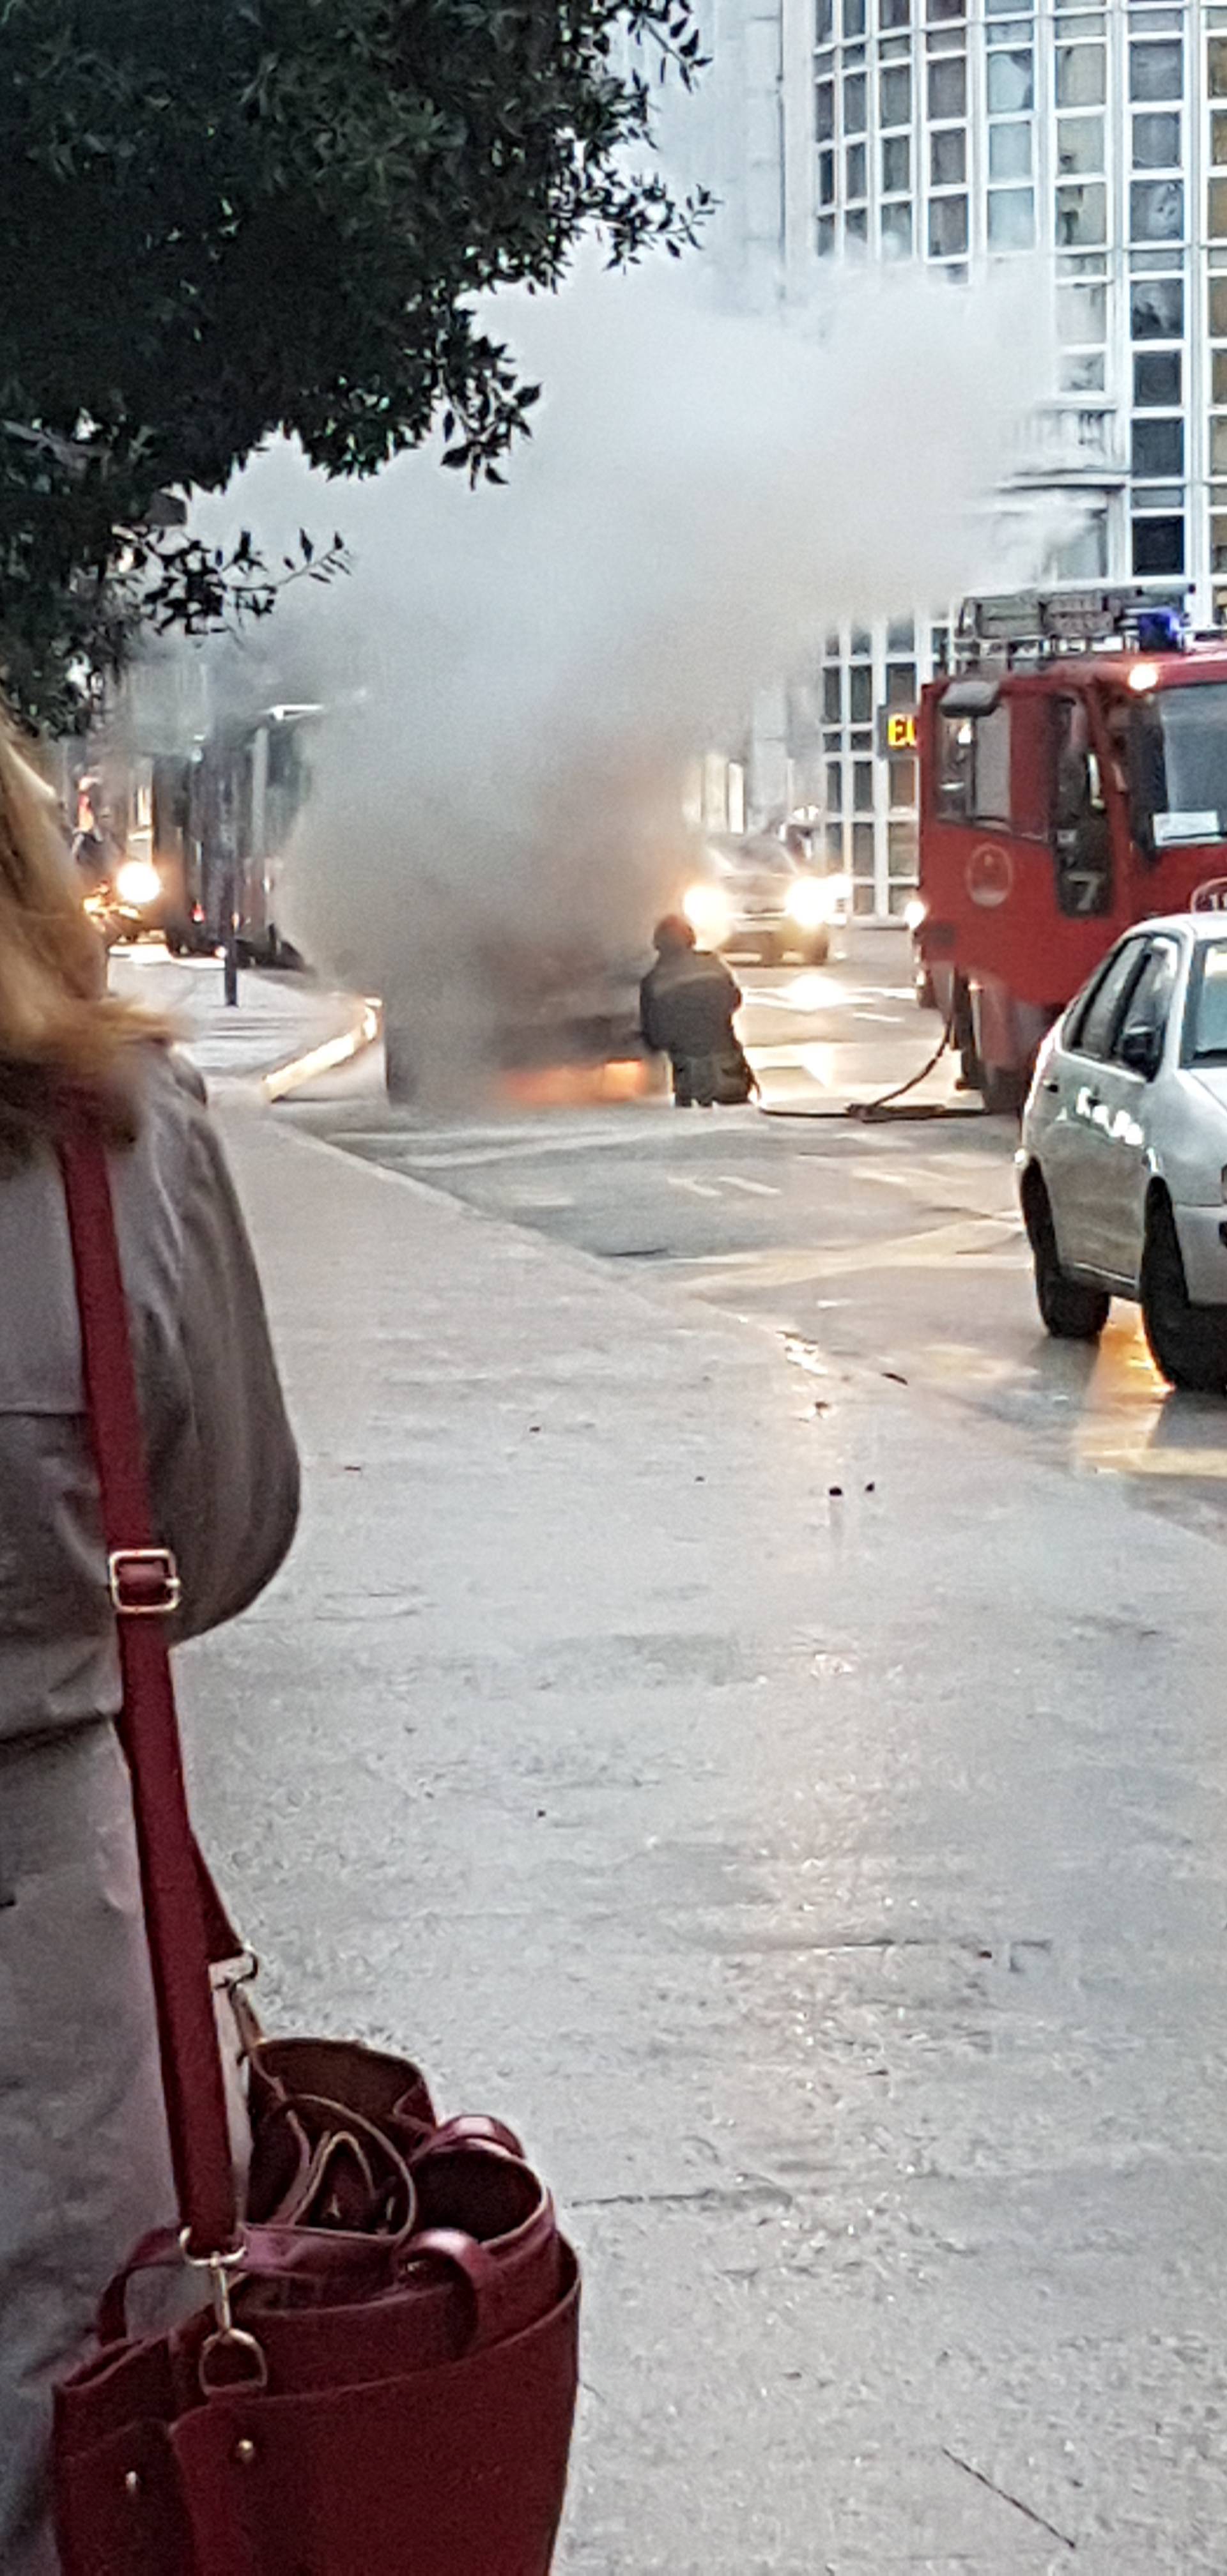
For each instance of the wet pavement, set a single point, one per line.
(893, 1247)
(746, 1731)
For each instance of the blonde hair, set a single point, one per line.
(67, 1047)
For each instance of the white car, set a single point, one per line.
(1123, 1162)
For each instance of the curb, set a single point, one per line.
(365, 1028)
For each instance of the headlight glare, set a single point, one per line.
(808, 902)
(137, 882)
(708, 911)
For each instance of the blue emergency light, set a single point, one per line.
(1160, 630)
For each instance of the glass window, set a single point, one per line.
(1011, 218)
(1150, 1001)
(1218, 543)
(1208, 1003)
(1084, 556)
(1157, 70)
(1216, 59)
(948, 158)
(1216, 209)
(1156, 209)
(1218, 376)
(1082, 216)
(947, 227)
(901, 684)
(1158, 447)
(1011, 80)
(1156, 307)
(862, 643)
(901, 852)
(973, 781)
(1009, 151)
(824, 22)
(855, 158)
(1158, 545)
(832, 693)
(1157, 379)
(948, 86)
(862, 786)
(835, 787)
(1079, 144)
(1218, 446)
(902, 771)
(1082, 312)
(824, 111)
(862, 694)
(901, 635)
(895, 94)
(1218, 307)
(947, 9)
(854, 17)
(856, 224)
(1082, 371)
(854, 103)
(895, 13)
(1080, 76)
(826, 236)
(1180, 763)
(897, 230)
(896, 164)
(826, 178)
(1156, 142)
(1091, 1028)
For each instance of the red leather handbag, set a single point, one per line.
(381, 2378)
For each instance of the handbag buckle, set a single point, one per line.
(229, 2357)
(144, 1582)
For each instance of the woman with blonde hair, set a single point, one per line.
(84, 2168)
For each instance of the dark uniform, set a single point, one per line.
(686, 1006)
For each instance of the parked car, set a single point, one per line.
(1123, 1159)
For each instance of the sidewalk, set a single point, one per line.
(277, 1019)
(696, 1761)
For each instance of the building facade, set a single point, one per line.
(963, 132)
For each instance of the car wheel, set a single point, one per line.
(1187, 1343)
(1068, 1310)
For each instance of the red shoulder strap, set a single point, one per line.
(144, 1589)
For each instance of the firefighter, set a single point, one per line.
(686, 1005)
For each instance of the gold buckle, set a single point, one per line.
(144, 1582)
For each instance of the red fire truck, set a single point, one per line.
(1073, 777)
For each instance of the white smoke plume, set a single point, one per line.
(517, 677)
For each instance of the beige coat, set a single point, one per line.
(83, 2166)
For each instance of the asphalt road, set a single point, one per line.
(892, 1246)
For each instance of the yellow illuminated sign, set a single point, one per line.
(900, 731)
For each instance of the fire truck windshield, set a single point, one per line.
(1180, 764)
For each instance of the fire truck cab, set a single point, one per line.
(1073, 780)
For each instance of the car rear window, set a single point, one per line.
(1208, 1005)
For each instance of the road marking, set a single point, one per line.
(759, 1189)
(978, 1239)
(678, 1181)
(891, 1019)
(403, 1146)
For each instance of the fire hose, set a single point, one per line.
(883, 1110)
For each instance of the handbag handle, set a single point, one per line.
(144, 1589)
